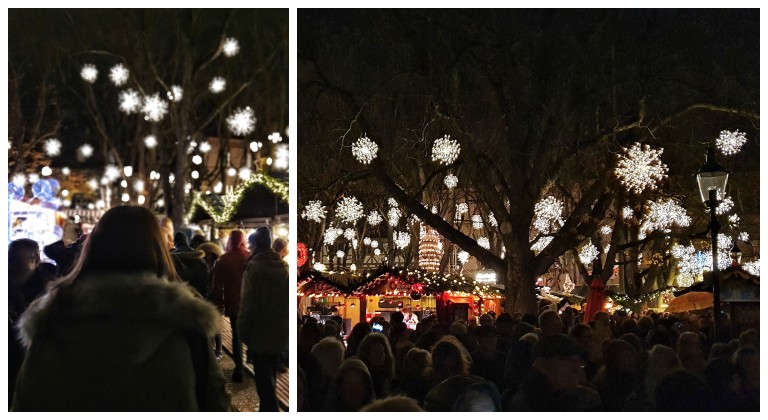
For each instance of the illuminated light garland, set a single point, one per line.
(118, 74)
(349, 210)
(365, 150)
(730, 142)
(242, 121)
(393, 216)
(89, 73)
(662, 214)
(588, 253)
(129, 101)
(724, 206)
(313, 211)
(548, 214)
(430, 249)
(402, 239)
(541, 243)
(154, 108)
(484, 242)
(374, 218)
(445, 150)
(233, 198)
(640, 168)
(752, 267)
(52, 147)
(451, 181)
(231, 47)
(217, 85)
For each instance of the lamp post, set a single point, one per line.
(712, 179)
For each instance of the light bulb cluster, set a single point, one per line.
(350, 209)
(640, 168)
(730, 142)
(374, 218)
(451, 181)
(393, 216)
(588, 253)
(548, 214)
(242, 121)
(541, 243)
(445, 150)
(154, 108)
(313, 211)
(402, 239)
(484, 242)
(365, 150)
(662, 214)
(430, 250)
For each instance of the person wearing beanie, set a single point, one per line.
(263, 316)
(189, 264)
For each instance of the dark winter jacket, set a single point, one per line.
(228, 274)
(263, 317)
(191, 268)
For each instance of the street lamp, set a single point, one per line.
(712, 178)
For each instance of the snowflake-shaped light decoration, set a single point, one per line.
(445, 150)
(484, 242)
(205, 147)
(19, 179)
(150, 141)
(730, 142)
(275, 137)
(89, 73)
(477, 222)
(461, 208)
(331, 234)
(350, 209)
(129, 101)
(374, 243)
(244, 173)
(176, 93)
(724, 243)
(724, 206)
(492, 220)
(319, 266)
(723, 258)
(402, 239)
(606, 229)
(451, 181)
(340, 254)
(365, 150)
(541, 243)
(393, 216)
(33, 178)
(52, 147)
(366, 241)
(154, 108)
(93, 184)
(349, 233)
(111, 172)
(752, 267)
(313, 211)
(392, 202)
(85, 150)
(662, 214)
(118, 74)
(588, 253)
(548, 214)
(627, 213)
(744, 237)
(242, 121)
(734, 220)
(414, 219)
(376, 252)
(217, 85)
(231, 47)
(374, 218)
(434, 210)
(640, 168)
(687, 265)
(463, 257)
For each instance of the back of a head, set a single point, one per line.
(21, 250)
(329, 353)
(366, 351)
(486, 319)
(126, 239)
(550, 322)
(682, 390)
(459, 328)
(280, 245)
(261, 239)
(236, 241)
(687, 343)
(750, 337)
(180, 239)
(479, 397)
(414, 363)
(662, 360)
(393, 404)
(396, 317)
(722, 350)
(449, 357)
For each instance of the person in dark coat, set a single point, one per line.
(190, 265)
(227, 282)
(263, 317)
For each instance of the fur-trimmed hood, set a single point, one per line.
(123, 297)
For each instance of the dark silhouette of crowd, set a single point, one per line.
(545, 362)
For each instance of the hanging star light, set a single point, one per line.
(313, 211)
(274, 138)
(349, 233)
(93, 184)
(111, 172)
(744, 237)
(281, 157)
(86, 150)
(366, 241)
(606, 229)
(374, 218)
(492, 220)
(340, 254)
(445, 150)
(154, 108)
(129, 101)
(752, 267)
(662, 214)
(231, 47)
(733, 220)
(724, 206)
(541, 243)
(377, 252)
(640, 168)
(350, 209)
(138, 185)
(548, 214)
(477, 222)
(176, 93)
(462, 208)
(242, 121)
(588, 253)
(730, 142)
(463, 257)
(217, 85)
(33, 178)
(52, 147)
(244, 173)
(374, 243)
(627, 213)
(205, 147)
(365, 150)
(484, 242)
(393, 216)
(89, 73)
(402, 239)
(331, 234)
(150, 141)
(19, 180)
(119, 74)
(451, 181)
(392, 202)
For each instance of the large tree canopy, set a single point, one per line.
(540, 101)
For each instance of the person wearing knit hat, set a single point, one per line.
(189, 264)
(263, 316)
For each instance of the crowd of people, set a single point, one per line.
(127, 319)
(545, 362)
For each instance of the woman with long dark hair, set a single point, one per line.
(120, 332)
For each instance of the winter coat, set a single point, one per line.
(228, 276)
(263, 318)
(191, 268)
(120, 342)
